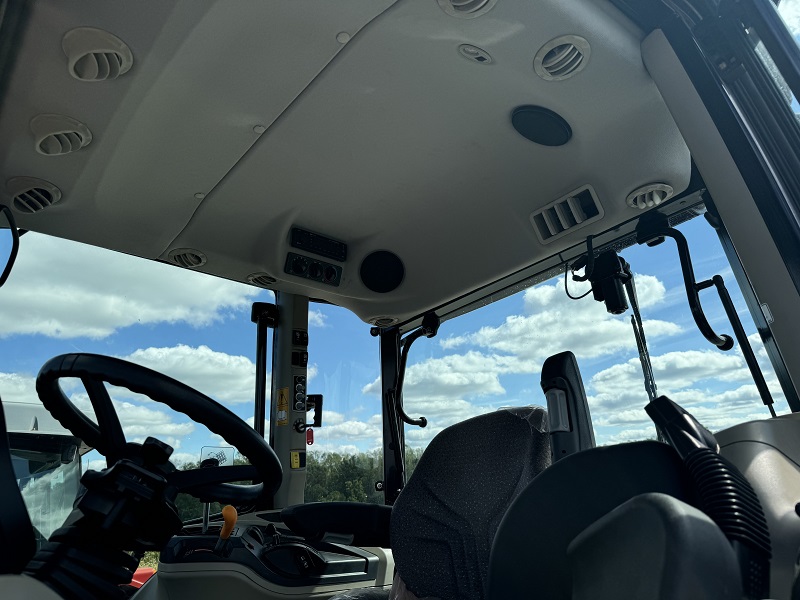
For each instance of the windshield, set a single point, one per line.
(197, 329)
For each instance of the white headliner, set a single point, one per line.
(391, 141)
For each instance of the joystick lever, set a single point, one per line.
(229, 515)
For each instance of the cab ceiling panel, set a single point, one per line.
(207, 79)
(405, 143)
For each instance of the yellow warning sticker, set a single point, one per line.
(282, 416)
(295, 459)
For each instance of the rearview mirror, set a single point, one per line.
(9, 242)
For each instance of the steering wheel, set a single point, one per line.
(107, 436)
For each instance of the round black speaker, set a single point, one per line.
(382, 271)
(541, 125)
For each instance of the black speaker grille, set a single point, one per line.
(382, 271)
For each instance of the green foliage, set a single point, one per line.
(150, 559)
(330, 477)
(333, 477)
(190, 507)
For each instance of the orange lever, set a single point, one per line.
(230, 515)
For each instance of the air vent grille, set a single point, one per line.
(96, 55)
(59, 134)
(466, 9)
(649, 195)
(188, 258)
(33, 200)
(261, 279)
(61, 143)
(383, 321)
(31, 195)
(562, 58)
(468, 6)
(98, 66)
(566, 214)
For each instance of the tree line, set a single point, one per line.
(330, 477)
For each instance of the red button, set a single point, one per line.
(309, 437)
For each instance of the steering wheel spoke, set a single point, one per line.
(111, 435)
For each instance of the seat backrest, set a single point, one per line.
(445, 519)
(17, 543)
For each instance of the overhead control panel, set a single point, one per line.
(311, 268)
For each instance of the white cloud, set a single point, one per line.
(224, 377)
(64, 289)
(138, 422)
(316, 318)
(790, 11)
(338, 433)
(555, 323)
(18, 388)
(458, 386)
(621, 385)
(445, 390)
(699, 380)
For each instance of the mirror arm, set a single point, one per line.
(12, 225)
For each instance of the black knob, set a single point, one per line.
(315, 271)
(299, 266)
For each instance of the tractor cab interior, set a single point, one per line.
(226, 224)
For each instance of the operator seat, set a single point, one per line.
(612, 518)
(445, 519)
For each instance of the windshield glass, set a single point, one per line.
(197, 329)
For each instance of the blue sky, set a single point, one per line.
(66, 297)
